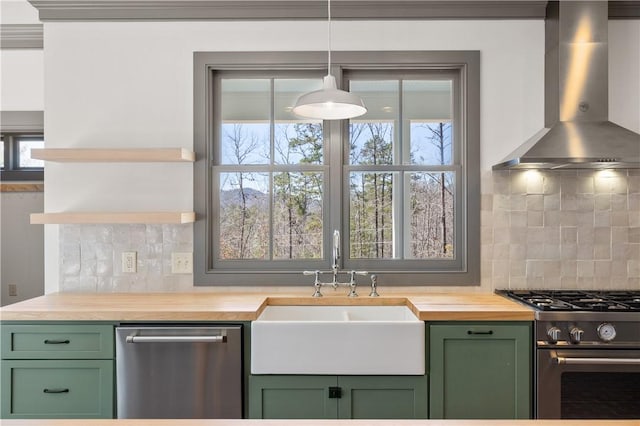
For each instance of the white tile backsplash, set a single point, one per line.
(92, 257)
(581, 229)
(539, 229)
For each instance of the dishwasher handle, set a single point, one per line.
(175, 339)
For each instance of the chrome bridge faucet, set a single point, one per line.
(335, 271)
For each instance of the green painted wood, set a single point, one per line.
(59, 341)
(74, 389)
(480, 376)
(383, 397)
(292, 397)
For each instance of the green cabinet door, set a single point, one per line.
(292, 397)
(480, 371)
(57, 389)
(331, 397)
(383, 397)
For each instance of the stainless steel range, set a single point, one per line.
(587, 361)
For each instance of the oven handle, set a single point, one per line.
(595, 361)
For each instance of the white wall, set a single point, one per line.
(21, 246)
(624, 73)
(131, 85)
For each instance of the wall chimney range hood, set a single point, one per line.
(577, 133)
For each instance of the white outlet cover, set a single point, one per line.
(182, 263)
(129, 261)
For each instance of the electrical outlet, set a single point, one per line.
(182, 263)
(129, 261)
(13, 290)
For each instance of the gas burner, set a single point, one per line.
(577, 300)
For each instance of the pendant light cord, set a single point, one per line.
(328, 37)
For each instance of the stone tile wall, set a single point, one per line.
(561, 229)
(539, 229)
(91, 257)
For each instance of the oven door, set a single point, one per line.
(588, 384)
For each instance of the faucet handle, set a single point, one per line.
(316, 283)
(374, 286)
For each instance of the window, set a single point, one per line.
(17, 163)
(400, 183)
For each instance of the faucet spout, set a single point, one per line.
(335, 255)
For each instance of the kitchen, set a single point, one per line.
(132, 82)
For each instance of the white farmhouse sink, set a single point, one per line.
(375, 340)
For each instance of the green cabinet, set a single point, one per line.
(330, 397)
(480, 370)
(57, 371)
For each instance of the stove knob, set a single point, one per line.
(606, 332)
(576, 334)
(554, 334)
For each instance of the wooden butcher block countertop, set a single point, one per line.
(169, 422)
(218, 305)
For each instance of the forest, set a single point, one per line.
(277, 213)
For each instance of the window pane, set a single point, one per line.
(246, 112)
(244, 216)
(297, 139)
(2, 154)
(432, 215)
(25, 153)
(372, 134)
(426, 106)
(371, 143)
(297, 215)
(298, 143)
(371, 215)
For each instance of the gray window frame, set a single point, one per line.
(465, 63)
(12, 171)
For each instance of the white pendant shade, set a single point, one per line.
(329, 103)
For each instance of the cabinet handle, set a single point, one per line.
(57, 342)
(488, 332)
(55, 390)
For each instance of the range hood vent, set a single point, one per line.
(577, 133)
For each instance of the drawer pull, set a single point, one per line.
(489, 332)
(57, 342)
(56, 391)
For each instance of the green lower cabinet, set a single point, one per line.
(291, 397)
(480, 371)
(57, 389)
(383, 397)
(331, 397)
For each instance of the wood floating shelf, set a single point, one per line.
(97, 155)
(113, 218)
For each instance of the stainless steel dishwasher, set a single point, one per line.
(179, 372)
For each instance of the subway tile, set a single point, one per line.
(602, 202)
(602, 251)
(568, 202)
(518, 219)
(535, 218)
(569, 251)
(552, 202)
(552, 218)
(602, 218)
(568, 234)
(633, 268)
(585, 252)
(551, 183)
(535, 202)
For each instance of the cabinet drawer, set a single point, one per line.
(57, 389)
(73, 341)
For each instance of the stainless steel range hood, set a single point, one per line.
(577, 132)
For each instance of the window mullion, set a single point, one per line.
(399, 210)
(272, 142)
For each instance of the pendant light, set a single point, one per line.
(329, 103)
